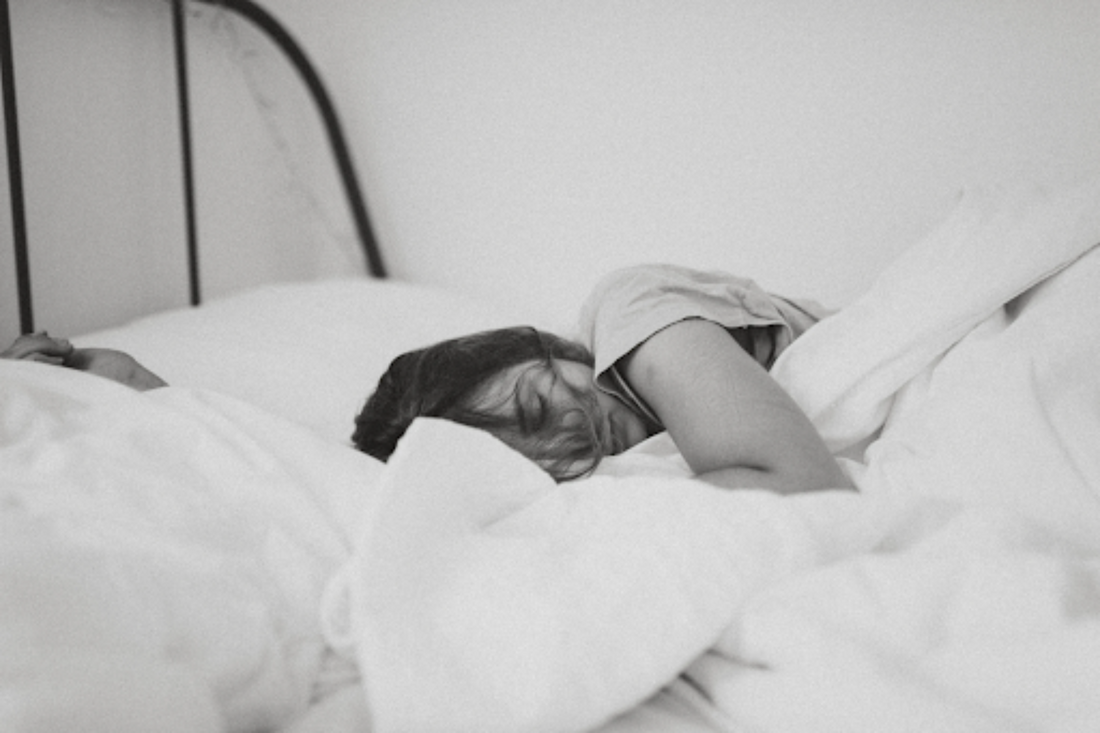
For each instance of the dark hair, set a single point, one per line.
(448, 378)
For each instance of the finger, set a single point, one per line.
(45, 359)
(61, 347)
(23, 345)
(37, 343)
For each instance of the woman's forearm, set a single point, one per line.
(734, 425)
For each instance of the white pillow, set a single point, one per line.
(310, 352)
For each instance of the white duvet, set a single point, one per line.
(162, 557)
(959, 591)
(209, 558)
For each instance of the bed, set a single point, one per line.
(212, 556)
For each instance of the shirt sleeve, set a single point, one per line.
(628, 306)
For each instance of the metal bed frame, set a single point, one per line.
(277, 33)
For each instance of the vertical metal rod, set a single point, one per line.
(275, 30)
(15, 174)
(179, 28)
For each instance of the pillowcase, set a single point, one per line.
(310, 352)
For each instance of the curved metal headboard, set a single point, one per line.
(15, 173)
(294, 53)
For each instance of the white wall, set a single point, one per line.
(101, 156)
(521, 148)
(526, 147)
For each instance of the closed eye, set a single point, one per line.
(531, 406)
(533, 414)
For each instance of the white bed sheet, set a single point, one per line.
(213, 557)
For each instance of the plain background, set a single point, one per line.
(517, 150)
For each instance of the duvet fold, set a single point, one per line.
(485, 597)
(959, 590)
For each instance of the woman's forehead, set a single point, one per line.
(577, 375)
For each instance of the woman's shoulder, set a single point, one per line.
(630, 304)
(660, 274)
(637, 283)
(639, 290)
(624, 290)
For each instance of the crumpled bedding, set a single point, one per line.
(972, 362)
(188, 560)
(163, 556)
(959, 590)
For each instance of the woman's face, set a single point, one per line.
(537, 388)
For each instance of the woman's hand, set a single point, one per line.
(38, 346)
(733, 423)
(107, 363)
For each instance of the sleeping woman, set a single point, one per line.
(661, 348)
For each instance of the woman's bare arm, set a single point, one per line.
(117, 366)
(107, 363)
(734, 425)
